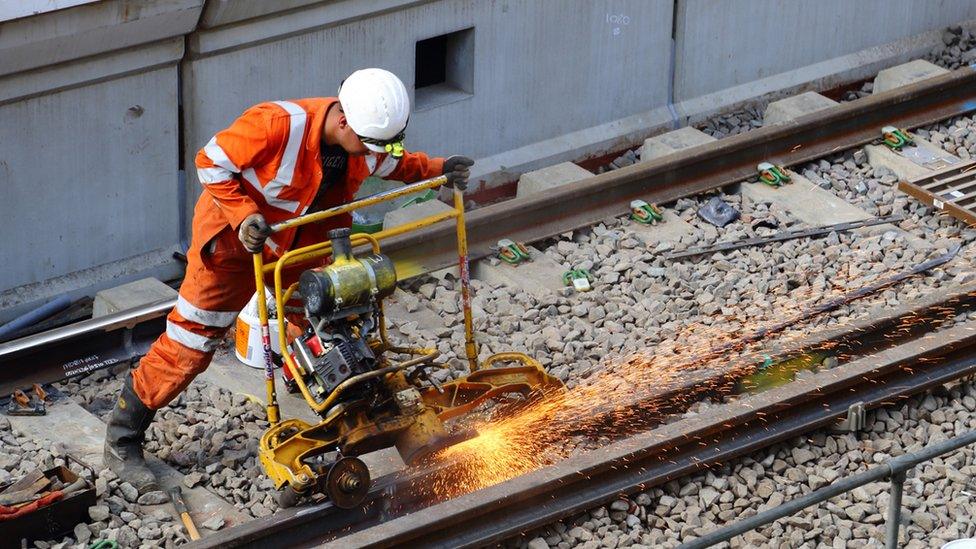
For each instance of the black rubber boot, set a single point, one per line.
(124, 436)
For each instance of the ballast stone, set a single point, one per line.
(550, 177)
(905, 74)
(791, 108)
(131, 295)
(413, 212)
(672, 142)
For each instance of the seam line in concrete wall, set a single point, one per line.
(280, 25)
(103, 67)
(675, 119)
(672, 66)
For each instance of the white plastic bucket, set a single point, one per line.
(248, 345)
(968, 543)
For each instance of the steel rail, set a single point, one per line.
(873, 333)
(47, 356)
(81, 347)
(678, 449)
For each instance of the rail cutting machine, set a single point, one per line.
(369, 393)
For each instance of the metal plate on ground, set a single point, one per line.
(928, 158)
(951, 189)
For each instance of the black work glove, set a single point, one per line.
(456, 168)
(254, 230)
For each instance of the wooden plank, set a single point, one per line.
(24, 482)
(963, 214)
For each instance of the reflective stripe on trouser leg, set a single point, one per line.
(208, 303)
(182, 352)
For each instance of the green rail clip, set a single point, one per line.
(772, 175)
(580, 279)
(512, 252)
(644, 213)
(895, 139)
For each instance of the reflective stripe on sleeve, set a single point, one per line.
(216, 319)
(214, 175)
(252, 179)
(189, 339)
(218, 156)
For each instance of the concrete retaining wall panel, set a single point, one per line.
(718, 48)
(92, 29)
(89, 176)
(224, 12)
(542, 68)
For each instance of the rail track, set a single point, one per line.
(98, 343)
(885, 364)
(880, 369)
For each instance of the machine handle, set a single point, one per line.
(384, 196)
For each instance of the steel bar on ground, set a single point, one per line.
(785, 235)
(81, 347)
(894, 468)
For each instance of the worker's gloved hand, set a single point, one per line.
(254, 230)
(457, 170)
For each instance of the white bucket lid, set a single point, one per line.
(967, 543)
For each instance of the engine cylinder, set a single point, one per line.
(348, 281)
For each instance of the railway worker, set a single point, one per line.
(277, 161)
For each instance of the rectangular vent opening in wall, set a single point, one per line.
(444, 69)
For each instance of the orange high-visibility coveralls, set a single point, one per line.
(268, 161)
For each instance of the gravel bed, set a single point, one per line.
(119, 514)
(958, 48)
(642, 304)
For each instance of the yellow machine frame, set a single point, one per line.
(284, 462)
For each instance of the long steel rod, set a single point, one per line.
(894, 466)
(785, 235)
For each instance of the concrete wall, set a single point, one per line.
(102, 189)
(529, 58)
(90, 95)
(718, 47)
(89, 147)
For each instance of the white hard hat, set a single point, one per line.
(377, 107)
